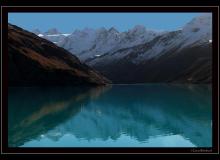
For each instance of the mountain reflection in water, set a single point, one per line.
(150, 115)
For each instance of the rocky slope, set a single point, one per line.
(91, 43)
(36, 61)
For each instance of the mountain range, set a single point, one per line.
(140, 55)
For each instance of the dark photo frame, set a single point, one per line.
(137, 150)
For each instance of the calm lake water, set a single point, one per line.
(151, 115)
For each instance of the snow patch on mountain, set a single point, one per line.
(52, 35)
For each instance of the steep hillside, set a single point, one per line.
(36, 61)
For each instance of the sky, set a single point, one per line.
(68, 22)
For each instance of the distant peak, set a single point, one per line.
(88, 30)
(52, 31)
(201, 21)
(76, 31)
(139, 27)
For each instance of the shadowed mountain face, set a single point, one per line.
(190, 65)
(36, 61)
(107, 114)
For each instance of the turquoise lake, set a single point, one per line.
(145, 115)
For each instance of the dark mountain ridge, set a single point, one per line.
(36, 61)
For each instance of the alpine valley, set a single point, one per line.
(140, 55)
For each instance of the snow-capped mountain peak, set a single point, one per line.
(198, 30)
(138, 28)
(88, 30)
(201, 22)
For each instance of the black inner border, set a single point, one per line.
(215, 110)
